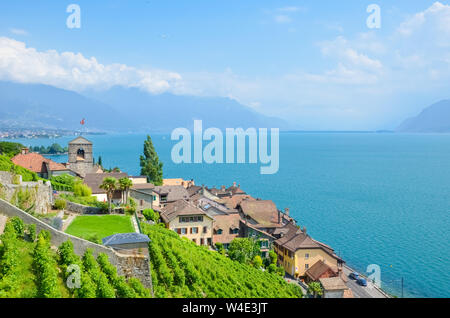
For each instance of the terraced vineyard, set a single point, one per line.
(182, 269)
(29, 268)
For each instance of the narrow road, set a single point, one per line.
(370, 291)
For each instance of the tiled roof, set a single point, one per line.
(143, 186)
(264, 212)
(174, 193)
(192, 190)
(94, 180)
(125, 238)
(295, 239)
(35, 162)
(233, 201)
(80, 140)
(205, 203)
(333, 283)
(178, 208)
(318, 269)
(225, 223)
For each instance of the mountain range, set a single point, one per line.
(120, 109)
(433, 119)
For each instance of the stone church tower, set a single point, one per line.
(81, 157)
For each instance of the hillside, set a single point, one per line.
(30, 267)
(182, 269)
(434, 119)
(119, 110)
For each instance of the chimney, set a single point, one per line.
(234, 184)
(222, 187)
(25, 151)
(286, 211)
(304, 230)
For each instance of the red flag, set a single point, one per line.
(82, 121)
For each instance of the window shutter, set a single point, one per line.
(191, 230)
(179, 231)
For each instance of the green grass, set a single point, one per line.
(87, 226)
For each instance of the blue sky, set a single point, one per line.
(315, 63)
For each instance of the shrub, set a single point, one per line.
(151, 215)
(18, 225)
(94, 239)
(60, 204)
(45, 235)
(81, 190)
(31, 229)
(257, 261)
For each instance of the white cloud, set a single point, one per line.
(281, 18)
(74, 71)
(436, 17)
(18, 31)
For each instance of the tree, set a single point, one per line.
(124, 185)
(149, 214)
(243, 250)
(315, 289)
(109, 184)
(150, 164)
(99, 162)
(257, 261)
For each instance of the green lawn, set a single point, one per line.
(100, 226)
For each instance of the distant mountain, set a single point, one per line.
(434, 119)
(166, 111)
(120, 109)
(43, 106)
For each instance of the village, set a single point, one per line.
(208, 216)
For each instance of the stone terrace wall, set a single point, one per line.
(82, 209)
(129, 266)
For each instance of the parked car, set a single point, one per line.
(354, 275)
(362, 281)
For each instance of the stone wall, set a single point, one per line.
(40, 192)
(82, 209)
(130, 266)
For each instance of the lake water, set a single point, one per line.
(375, 198)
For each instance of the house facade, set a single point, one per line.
(298, 252)
(189, 221)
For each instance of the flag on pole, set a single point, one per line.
(82, 122)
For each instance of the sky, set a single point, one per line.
(314, 63)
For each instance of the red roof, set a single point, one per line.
(35, 162)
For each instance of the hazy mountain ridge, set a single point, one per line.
(120, 109)
(433, 119)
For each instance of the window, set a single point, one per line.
(164, 198)
(183, 230)
(194, 230)
(219, 231)
(209, 241)
(154, 198)
(202, 241)
(306, 256)
(142, 202)
(205, 229)
(306, 266)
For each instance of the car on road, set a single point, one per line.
(361, 281)
(354, 275)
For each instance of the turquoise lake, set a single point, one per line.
(375, 198)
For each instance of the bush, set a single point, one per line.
(60, 204)
(257, 261)
(94, 239)
(18, 225)
(45, 235)
(31, 229)
(151, 215)
(81, 190)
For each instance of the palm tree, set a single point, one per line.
(315, 289)
(124, 185)
(109, 184)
